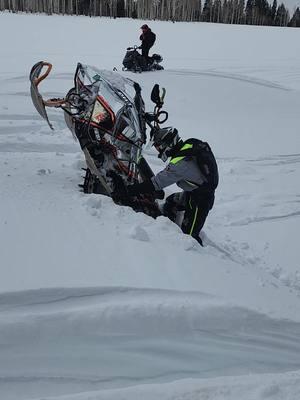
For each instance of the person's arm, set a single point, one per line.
(170, 175)
(140, 188)
(123, 191)
(153, 38)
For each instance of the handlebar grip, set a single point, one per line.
(42, 77)
(160, 113)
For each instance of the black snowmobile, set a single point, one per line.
(135, 62)
(105, 113)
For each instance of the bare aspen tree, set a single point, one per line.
(175, 4)
(217, 11)
(234, 6)
(258, 12)
(240, 14)
(162, 10)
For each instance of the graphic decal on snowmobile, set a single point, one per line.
(102, 113)
(106, 114)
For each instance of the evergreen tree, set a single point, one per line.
(249, 12)
(216, 11)
(274, 10)
(207, 11)
(282, 16)
(241, 14)
(224, 12)
(295, 20)
(120, 8)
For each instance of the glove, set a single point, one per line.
(121, 199)
(122, 193)
(140, 188)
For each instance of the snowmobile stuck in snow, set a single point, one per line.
(106, 114)
(135, 62)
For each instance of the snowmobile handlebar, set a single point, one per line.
(158, 116)
(135, 47)
(164, 119)
(54, 102)
(155, 117)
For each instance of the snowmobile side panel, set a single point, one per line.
(91, 165)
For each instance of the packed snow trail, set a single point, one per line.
(60, 341)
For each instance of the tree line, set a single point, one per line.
(250, 12)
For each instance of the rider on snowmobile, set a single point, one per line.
(193, 168)
(148, 39)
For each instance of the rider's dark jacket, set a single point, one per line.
(148, 39)
(183, 169)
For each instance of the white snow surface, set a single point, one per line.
(99, 302)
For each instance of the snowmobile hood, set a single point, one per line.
(116, 101)
(104, 99)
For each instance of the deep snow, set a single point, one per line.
(94, 296)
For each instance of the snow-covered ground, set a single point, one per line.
(98, 302)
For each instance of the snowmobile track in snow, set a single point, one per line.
(222, 75)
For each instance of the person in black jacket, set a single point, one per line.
(193, 168)
(148, 39)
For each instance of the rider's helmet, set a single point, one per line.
(164, 140)
(144, 27)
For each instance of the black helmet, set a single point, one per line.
(164, 140)
(145, 26)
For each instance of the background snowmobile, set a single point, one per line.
(105, 113)
(135, 62)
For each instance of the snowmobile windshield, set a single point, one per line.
(110, 103)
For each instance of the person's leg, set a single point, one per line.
(173, 204)
(145, 54)
(196, 211)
